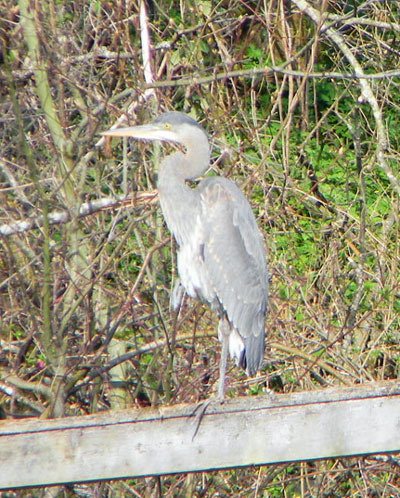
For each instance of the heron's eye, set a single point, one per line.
(167, 126)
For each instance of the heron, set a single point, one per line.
(220, 252)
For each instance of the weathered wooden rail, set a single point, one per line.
(244, 431)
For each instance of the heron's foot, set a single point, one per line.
(270, 393)
(200, 410)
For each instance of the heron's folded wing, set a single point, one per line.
(234, 259)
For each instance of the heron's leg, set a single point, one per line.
(223, 334)
(224, 331)
(177, 295)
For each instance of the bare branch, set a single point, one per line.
(269, 71)
(85, 209)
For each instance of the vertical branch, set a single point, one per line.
(47, 332)
(146, 50)
(358, 267)
(41, 80)
(34, 174)
(53, 339)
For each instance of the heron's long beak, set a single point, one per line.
(144, 132)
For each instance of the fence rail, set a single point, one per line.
(241, 432)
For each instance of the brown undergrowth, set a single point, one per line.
(311, 141)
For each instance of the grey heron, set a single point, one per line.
(220, 257)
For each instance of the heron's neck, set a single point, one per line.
(181, 204)
(189, 165)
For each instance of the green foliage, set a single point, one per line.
(306, 154)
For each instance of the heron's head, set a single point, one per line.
(169, 127)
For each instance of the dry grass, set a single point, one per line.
(74, 296)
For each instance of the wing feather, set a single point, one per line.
(234, 260)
